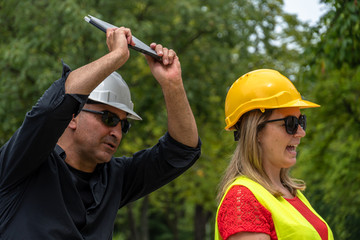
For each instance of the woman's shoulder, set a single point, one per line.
(240, 211)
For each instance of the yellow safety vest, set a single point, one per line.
(288, 221)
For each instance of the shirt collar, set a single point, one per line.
(60, 152)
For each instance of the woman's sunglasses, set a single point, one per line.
(111, 119)
(292, 123)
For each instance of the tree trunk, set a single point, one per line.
(132, 223)
(144, 221)
(201, 218)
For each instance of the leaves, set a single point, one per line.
(217, 41)
(330, 152)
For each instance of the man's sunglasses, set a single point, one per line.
(292, 123)
(111, 119)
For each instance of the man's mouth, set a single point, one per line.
(111, 145)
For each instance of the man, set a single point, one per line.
(58, 178)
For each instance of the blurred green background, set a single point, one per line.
(217, 41)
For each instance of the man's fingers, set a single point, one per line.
(159, 49)
(109, 32)
(165, 57)
(171, 56)
(168, 55)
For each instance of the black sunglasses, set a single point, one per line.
(292, 123)
(111, 119)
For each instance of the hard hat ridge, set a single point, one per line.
(115, 92)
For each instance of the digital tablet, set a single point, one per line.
(139, 45)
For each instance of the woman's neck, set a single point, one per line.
(275, 179)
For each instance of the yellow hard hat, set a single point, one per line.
(261, 89)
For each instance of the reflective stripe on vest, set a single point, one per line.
(288, 221)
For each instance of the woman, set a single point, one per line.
(258, 198)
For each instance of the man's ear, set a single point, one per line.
(73, 122)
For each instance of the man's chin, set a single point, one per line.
(105, 157)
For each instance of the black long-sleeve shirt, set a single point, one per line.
(39, 197)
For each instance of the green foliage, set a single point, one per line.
(330, 158)
(217, 41)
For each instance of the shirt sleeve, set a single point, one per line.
(240, 211)
(177, 154)
(43, 125)
(149, 169)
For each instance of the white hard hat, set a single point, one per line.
(115, 92)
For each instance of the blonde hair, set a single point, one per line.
(247, 157)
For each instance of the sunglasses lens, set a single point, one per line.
(302, 121)
(110, 119)
(291, 124)
(125, 126)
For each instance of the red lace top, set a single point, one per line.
(240, 211)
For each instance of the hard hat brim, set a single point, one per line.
(300, 103)
(123, 107)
